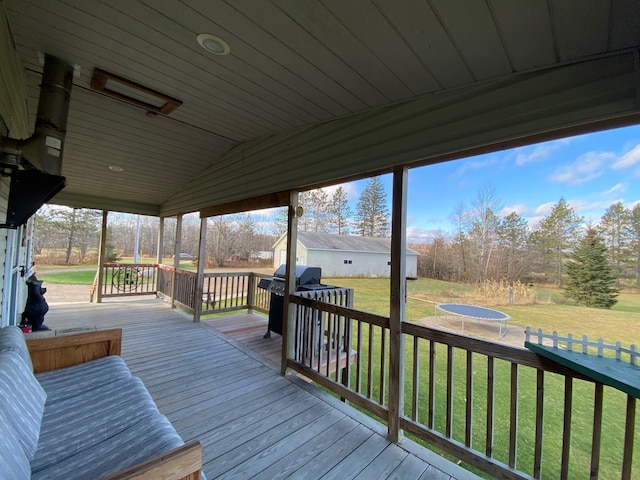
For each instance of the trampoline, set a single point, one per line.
(477, 313)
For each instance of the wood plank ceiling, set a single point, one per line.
(293, 64)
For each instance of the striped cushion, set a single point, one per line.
(72, 426)
(14, 463)
(140, 442)
(69, 382)
(12, 338)
(21, 400)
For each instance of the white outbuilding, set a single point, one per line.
(344, 255)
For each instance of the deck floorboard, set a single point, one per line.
(222, 386)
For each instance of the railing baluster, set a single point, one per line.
(513, 416)
(383, 364)
(432, 384)
(597, 431)
(537, 455)
(491, 370)
(329, 336)
(449, 403)
(566, 433)
(370, 364)
(359, 359)
(468, 431)
(416, 379)
(629, 430)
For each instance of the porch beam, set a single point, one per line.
(290, 281)
(101, 255)
(397, 305)
(202, 247)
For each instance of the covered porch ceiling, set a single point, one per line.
(315, 92)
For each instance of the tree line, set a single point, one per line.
(482, 245)
(71, 236)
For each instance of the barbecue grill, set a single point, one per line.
(307, 278)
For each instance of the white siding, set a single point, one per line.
(357, 264)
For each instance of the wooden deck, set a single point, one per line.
(252, 422)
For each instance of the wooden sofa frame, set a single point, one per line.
(52, 353)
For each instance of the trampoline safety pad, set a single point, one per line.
(478, 313)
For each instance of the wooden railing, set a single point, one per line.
(178, 286)
(503, 410)
(221, 292)
(121, 280)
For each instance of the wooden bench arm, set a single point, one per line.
(182, 463)
(51, 353)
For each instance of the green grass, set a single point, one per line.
(620, 323)
(69, 277)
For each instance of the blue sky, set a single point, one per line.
(591, 171)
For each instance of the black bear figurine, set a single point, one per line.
(36, 306)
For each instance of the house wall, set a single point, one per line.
(363, 264)
(357, 264)
(4, 196)
(280, 253)
(15, 263)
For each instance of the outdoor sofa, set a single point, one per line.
(70, 409)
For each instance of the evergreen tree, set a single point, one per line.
(614, 226)
(339, 212)
(317, 210)
(514, 239)
(372, 213)
(634, 242)
(557, 234)
(590, 274)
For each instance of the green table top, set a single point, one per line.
(609, 371)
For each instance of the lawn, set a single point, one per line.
(621, 323)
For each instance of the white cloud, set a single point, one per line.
(629, 159)
(540, 152)
(617, 188)
(420, 235)
(544, 209)
(584, 169)
(519, 208)
(350, 189)
(477, 164)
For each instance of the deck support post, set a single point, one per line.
(101, 256)
(177, 248)
(290, 281)
(202, 247)
(397, 302)
(160, 252)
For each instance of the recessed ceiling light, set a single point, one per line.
(213, 44)
(116, 168)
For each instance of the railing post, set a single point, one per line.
(251, 293)
(101, 255)
(197, 301)
(289, 309)
(397, 302)
(176, 259)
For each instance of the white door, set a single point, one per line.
(10, 304)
